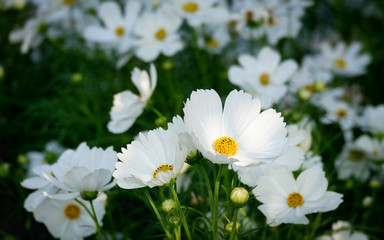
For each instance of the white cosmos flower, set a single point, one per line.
(68, 220)
(286, 200)
(156, 33)
(372, 119)
(117, 32)
(214, 38)
(311, 160)
(344, 60)
(152, 160)
(197, 12)
(264, 76)
(82, 170)
(342, 231)
(128, 106)
(237, 134)
(299, 136)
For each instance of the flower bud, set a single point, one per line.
(168, 205)
(239, 196)
(22, 159)
(229, 226)
(367, 201)
(304, 94)
(4, 169)
(77, 77)
(89, 195)
(174, 220)
(320, 86)
(1, 72)
(374, 183)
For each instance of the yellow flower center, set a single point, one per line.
(356, 155)
(309, 87)
(264, 79)
(191, 7)
(295, 199)
(341, 113)
(340, 63)
(68, 2)
(212, 43)
(161, 34)
(226, 145)
(164, 168)
(374, 153)
(72, 211)
(119, 31)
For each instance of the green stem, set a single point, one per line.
(177, 231)
(93, 216)
(99, 232)
(181, 213)
(205, 175)
(234, 225)
(157, 214)
(215, 213)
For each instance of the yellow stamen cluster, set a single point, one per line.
(341, 113)
(356, 155)
(295, 199)
(212, 43)
(226, 145)
(340, 63)
(309, 87)
(264, 79)
(68, 2)
(72, 211)
(161, 34)
(119, 31)
(191, 7)
(164, 168)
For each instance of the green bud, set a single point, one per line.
(2, 72)
(168, 205)
(229, 226)
(320, 86)
(22, 159)
(374, 183)
(239, 196)
(304, 94)
(77, 77)
(89, 195)
(167, 65)
(4, 169)
(175, 220)
(50, 158)
(161, 121)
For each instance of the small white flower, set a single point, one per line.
(342, 231)
(68, 220)
(128, 106)
(311, 160)
(300, 136)
(372, 119)
(82, 170)
(152, 160)
(354, 161)
(196, 12)
(264, 76)
(237, 133)
(286, 200)
(157, 33)
(215, 38)
(118, 27)
(344, 60)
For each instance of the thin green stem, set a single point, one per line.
(206, 178)
(177, 231)
(157, 214)
(215, 213)
(99, 232)
(181, 213)
(234, 224)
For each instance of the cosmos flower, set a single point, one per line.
(117, 32)
(154, 159)
(185, 139)
(128, 106)
(82, 170)
(344, 60)
(237, 133)
(341, 230)
(68, 220)
(264, 76)
(157, 33)
(286, 200)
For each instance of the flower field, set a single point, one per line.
(192, 119)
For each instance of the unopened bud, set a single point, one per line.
(1, 72)
(167, 65)
(367, 201)
(349, 184)
(320, 86)
(174, 220)
(77, 77)
(22, 159)
(4, 169)
(304, 94)
(229, 226)
(374, 183)
(239, 196)
(168, 205)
